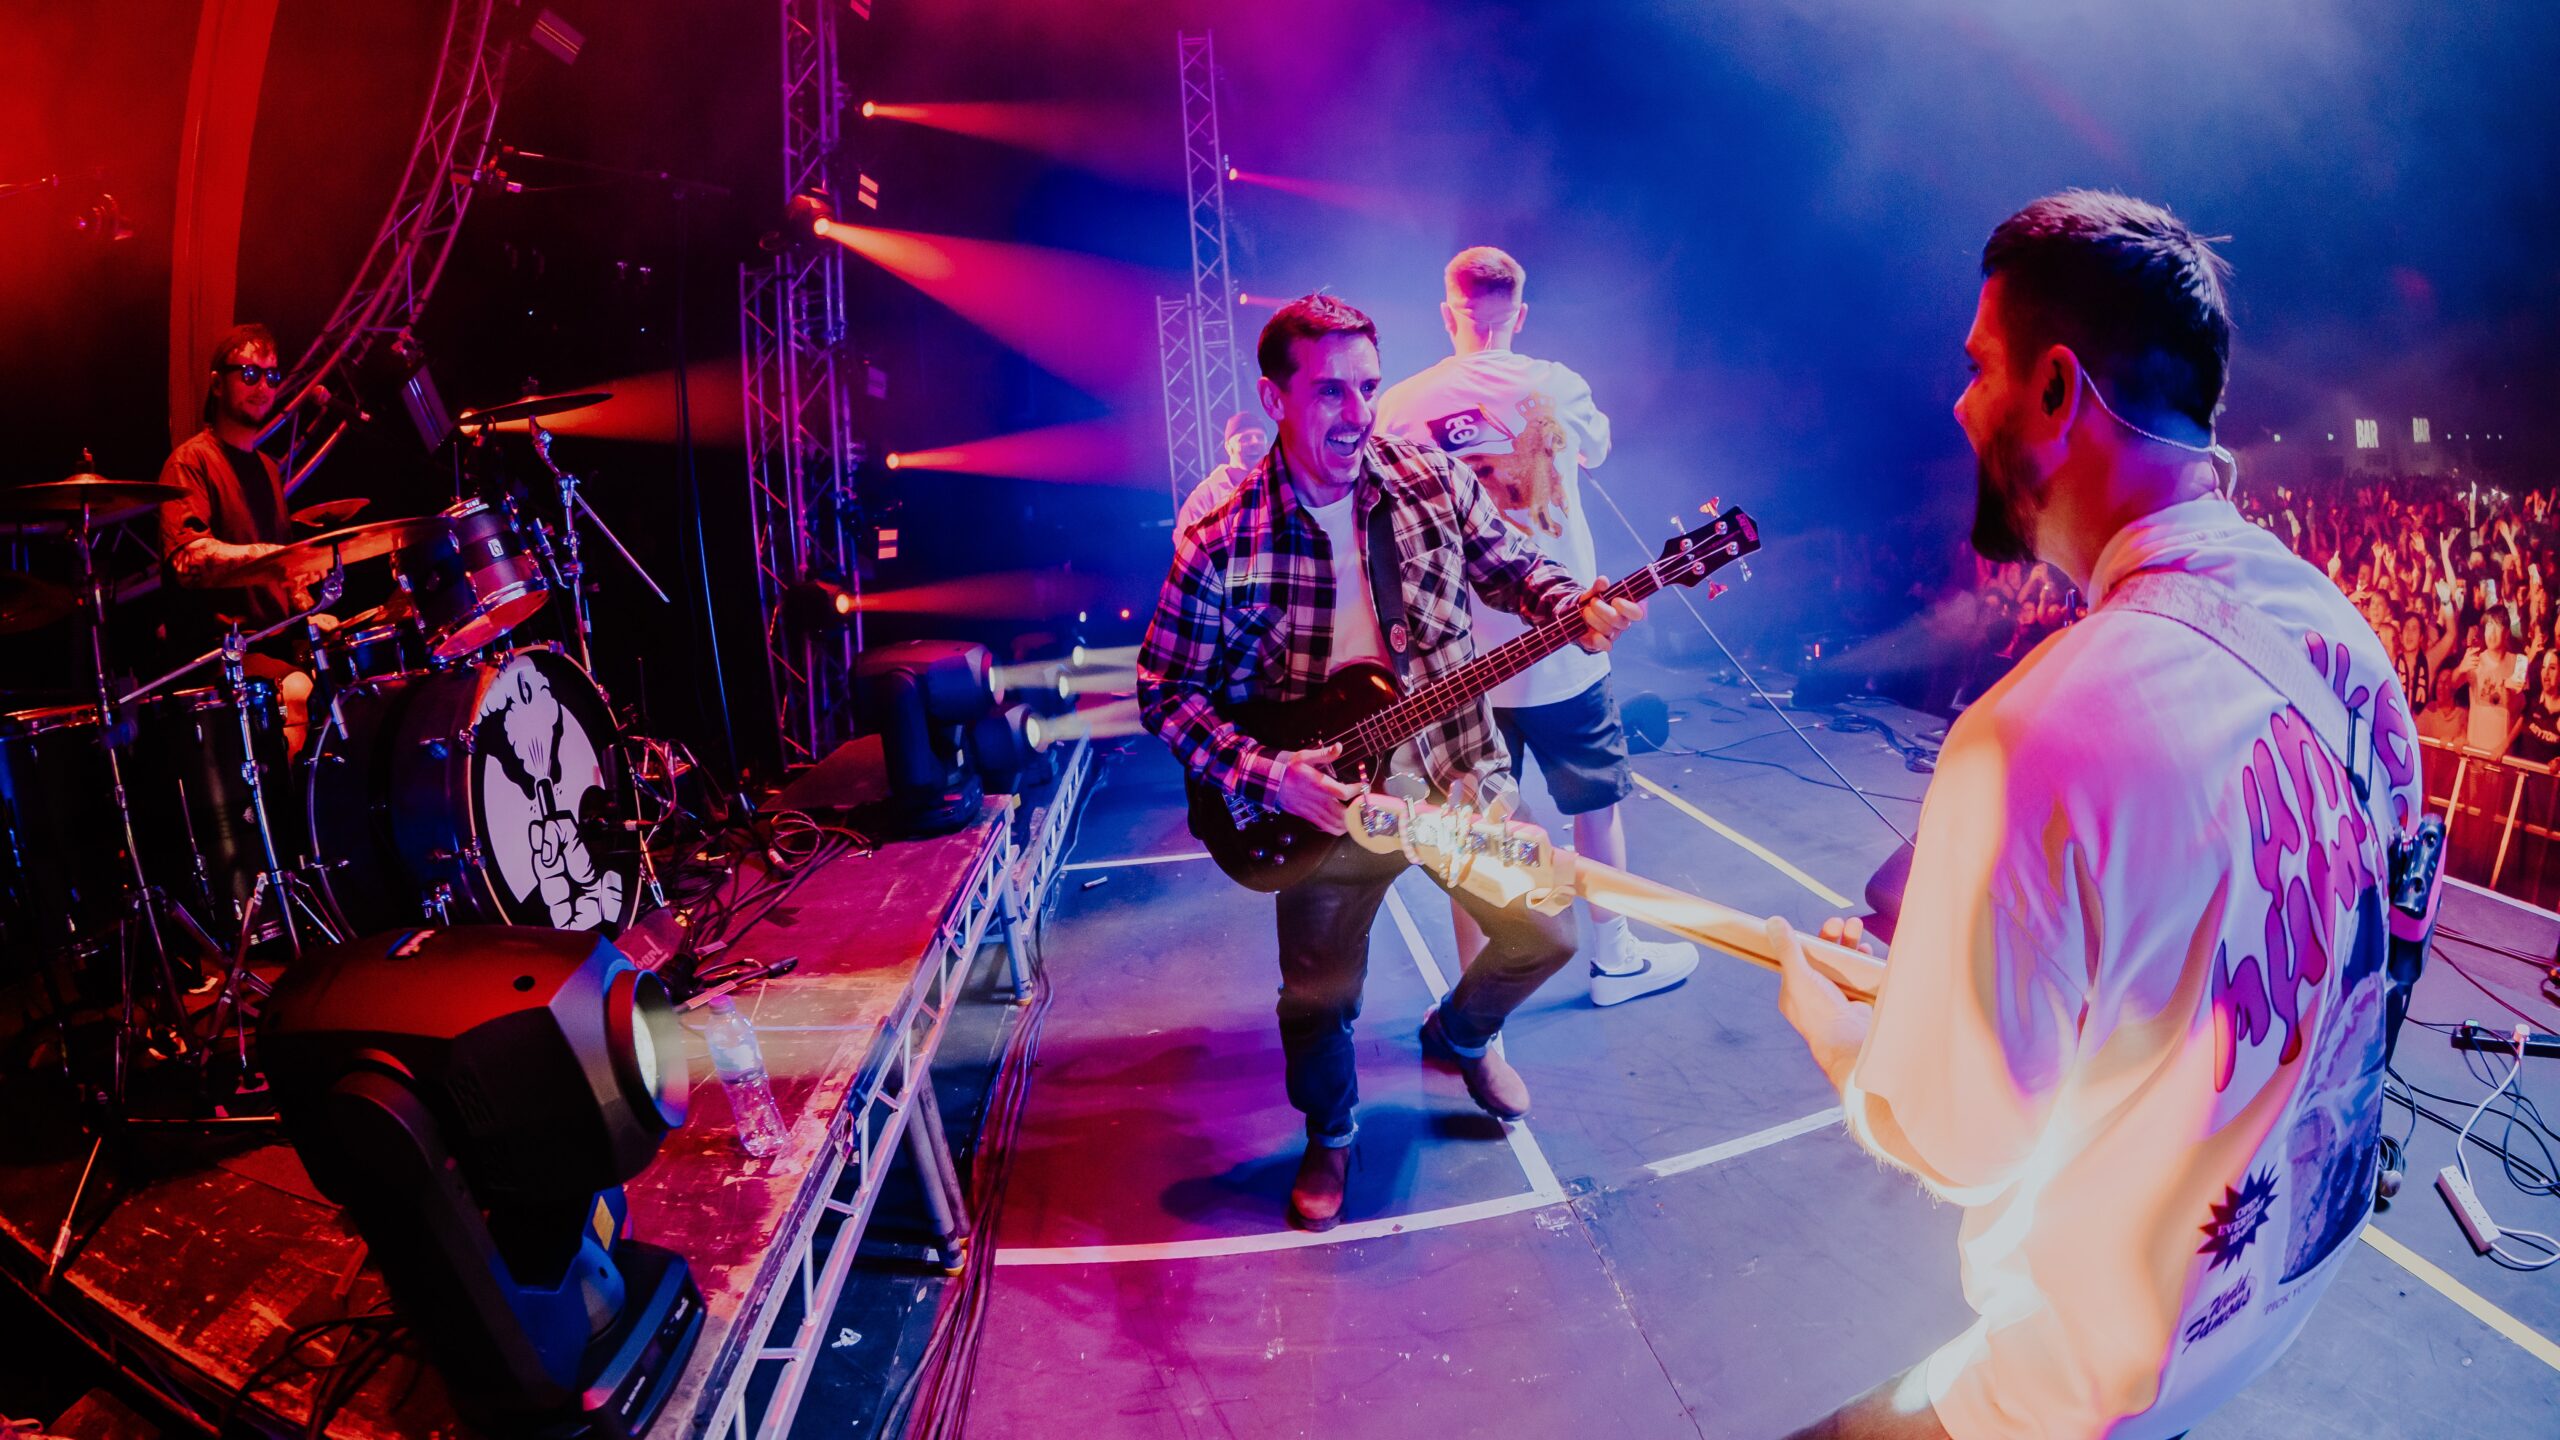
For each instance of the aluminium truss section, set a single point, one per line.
(1204, 184)
(1186, 435)
(801, 459)
(763, 1378)
(409, 251)
(799, 377)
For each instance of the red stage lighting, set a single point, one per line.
(1084, 318)
(1366, 199)
(1010, 595)
(1120, 141)
(643, 408)
(1090, 452)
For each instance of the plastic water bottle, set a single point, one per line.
(735, 1055)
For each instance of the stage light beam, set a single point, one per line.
(1079, 316)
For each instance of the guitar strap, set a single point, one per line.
(1386, 586)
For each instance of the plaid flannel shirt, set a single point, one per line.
(1246, 612)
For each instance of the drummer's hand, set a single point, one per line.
(1834, 1026)
(322, 620)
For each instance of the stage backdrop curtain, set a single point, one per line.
(213, 179)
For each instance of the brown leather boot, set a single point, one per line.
(1315, 1199)
(1496, 1088)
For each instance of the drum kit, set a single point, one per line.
(453, 770)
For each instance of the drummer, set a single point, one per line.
(233, 512)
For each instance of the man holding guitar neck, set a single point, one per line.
(1271, 592)
(2134, 1020)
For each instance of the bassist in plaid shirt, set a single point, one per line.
(1268, 594)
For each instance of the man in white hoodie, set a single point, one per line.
(2133, 1017)
(1529, 428)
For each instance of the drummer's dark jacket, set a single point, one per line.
(237, 497)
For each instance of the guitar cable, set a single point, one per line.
(1747, 677)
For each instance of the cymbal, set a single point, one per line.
(308, 560)
(329, 512)
(95, 493)
(531, 407)
(27, 603)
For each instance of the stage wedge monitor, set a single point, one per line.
(475, 1098)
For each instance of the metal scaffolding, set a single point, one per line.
(1196, 335)
(408, 253)
(799, 378)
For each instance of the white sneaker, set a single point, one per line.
(1666, 963)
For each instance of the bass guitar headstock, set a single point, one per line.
(1689, 558)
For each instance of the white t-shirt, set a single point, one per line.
(1529, 428)
(2132, 1020)
(1355, 605)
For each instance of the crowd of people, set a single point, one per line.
(2456, 579)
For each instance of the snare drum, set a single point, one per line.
(483, 793)
(62, 868)
(472, 583)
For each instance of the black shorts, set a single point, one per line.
(1581, 750)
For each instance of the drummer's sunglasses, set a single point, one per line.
(272, 374)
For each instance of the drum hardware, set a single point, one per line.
(329, 512)
(85, 497)
(571, 570)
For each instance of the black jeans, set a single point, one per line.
(1324, 959)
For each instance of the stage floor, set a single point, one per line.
(1679, 1241)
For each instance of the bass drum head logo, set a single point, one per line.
(538, 766)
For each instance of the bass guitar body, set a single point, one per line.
(1268, 850)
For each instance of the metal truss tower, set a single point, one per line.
(1196, 335)
(799, 377)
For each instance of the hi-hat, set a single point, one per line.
(308, 560)
(532, 407)
(27, 603)
(94, 493)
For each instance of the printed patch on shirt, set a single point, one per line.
(1469, 429)
(2219, 1310)
(2237, 1217)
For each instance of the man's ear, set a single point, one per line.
(1519, 317)
(1449, 319)
(1270, 394)
(2058, 381)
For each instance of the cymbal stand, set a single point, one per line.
(571, 569)
(147, 902)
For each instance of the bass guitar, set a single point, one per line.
(1362, 708)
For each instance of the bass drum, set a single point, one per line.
(490, 793)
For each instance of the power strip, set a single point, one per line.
(2472, 1035)
(2459, 1198)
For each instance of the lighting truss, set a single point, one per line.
(799, 378)
(408, 254)
(1196, 335)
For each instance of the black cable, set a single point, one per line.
(381, 1325)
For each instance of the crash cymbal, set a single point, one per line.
(95, 493)
(27, 603)
(532, 407)
(308, 560)
(329, 512)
